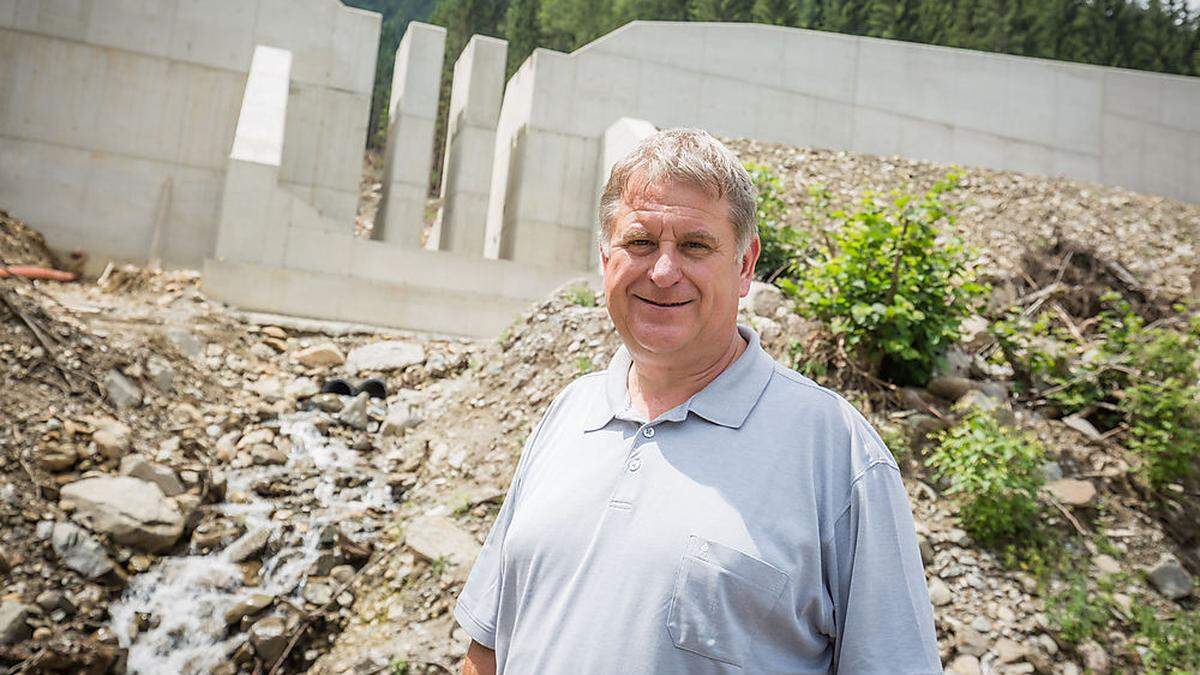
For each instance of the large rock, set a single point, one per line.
(323, 355)
(439, 538)
(121, 390)
(80, 551)
(1169, 577)
(762, 299)
(132, 511)
(939, 592)
(269, 638)
(55, 457)
(248, 606)
(166, 480)
(950, 387)
(13, 625)
(248, 546)
(112, 438)
(384, 356)
(1072, 492)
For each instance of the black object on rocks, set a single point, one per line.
(374, 387)
(337, 386)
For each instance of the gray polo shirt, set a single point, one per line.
(759, 527)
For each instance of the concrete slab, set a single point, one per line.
(820, 64)
(60, 18)
(217, 33)
(261, 122)
(137, 25)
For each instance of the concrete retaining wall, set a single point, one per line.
(114, 110)
(1119, 127)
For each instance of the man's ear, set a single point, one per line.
(749, 261)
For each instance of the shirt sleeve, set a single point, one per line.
(883, 617)
(478, 604)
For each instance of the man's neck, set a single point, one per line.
(655, 388)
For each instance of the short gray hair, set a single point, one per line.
(690, 156)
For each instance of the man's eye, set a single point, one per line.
(640, 242)
(696, 245)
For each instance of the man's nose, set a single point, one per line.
(666, 271)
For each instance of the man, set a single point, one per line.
(698, 507)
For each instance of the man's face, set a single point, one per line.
(673, 276)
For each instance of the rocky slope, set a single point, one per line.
(179, 496)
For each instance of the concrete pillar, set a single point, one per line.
(412, 114)
(249, 227)
(470, 141)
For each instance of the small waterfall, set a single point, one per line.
(183, 599)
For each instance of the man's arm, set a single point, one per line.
(480, 660)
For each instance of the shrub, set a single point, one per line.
(889, 285)
(780, 242)
(1171, 645)
(996, 472)
(581, 295)
(1078, 613)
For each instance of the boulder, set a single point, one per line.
(324, 355)
(269, 638)
(354, 413)
(138, 467)
(950, 387)
(132, 511)
(55, 457)
(248, 606)
(13, 625)
(762, 299)
(248, 545)
(1170, 578)
(121, 390)
(112, 438)
(384, 356)
(80, 551)
(1072, 492)
(939, 592)
(976, 399)
(1083, 426)
(440, 538)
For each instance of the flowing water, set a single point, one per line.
(186, 597)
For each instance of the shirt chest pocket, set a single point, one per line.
(720, 599)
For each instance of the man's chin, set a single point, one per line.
(661, 339)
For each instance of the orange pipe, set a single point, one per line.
(30, 272)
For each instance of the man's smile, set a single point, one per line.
(661, 304)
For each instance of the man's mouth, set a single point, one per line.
(662, 304)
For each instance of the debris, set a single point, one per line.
(132, 511)
(384, 356)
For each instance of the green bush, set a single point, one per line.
(1170, 646)
(889, 285)
(1078, 613)
(996, 472)
(780, 243)
(1131, 373)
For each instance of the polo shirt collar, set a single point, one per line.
(726, 401)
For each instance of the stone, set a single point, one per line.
(926, 548)
(267, 387)
(1170, 578)
(974, 333)
(56, 457)
(1095, 659)
(13, 622)
(329, 403)
(301, 387)
(50, 601)
(132, 511)
(384, 356)
(80, 551)
(440, 538)
(342, 574)
(161, 373)
(1009, 651)
(121, 390)
(185, 341)
(317, 593)
(964, 664)
(354, 413)
(325, 355)
(969, 641)
(112, 439)
(269, 638)
(1072, 492)
(955, 362)
(263, 454)
(1051, 471)
(950, 387)
(1083, 426)
(939, 592)
(920, 427)
(248, 606)
(248, 545)
(976, 399)
(400, 417)
(138, 467)
(762, 299)
(1106, 564)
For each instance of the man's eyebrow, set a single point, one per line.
(702, 236)
(634, 232)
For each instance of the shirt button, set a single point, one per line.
(635, 464)
(648, 432)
